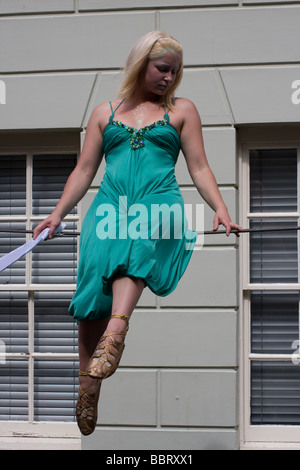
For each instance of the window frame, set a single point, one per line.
(257, 436)
(63, 432)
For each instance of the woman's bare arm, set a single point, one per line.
(199, 169)
(81, 177)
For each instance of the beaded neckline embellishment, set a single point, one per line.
(137, 136)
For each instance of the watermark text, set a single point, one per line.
(2, 92)
(296, 93)
(151, 221)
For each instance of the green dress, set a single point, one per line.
(136, 225)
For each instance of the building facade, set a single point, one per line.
(214, 365)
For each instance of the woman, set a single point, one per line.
(141, 134)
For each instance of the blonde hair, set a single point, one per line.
(152, 46)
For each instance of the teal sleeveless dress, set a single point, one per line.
(136, 225)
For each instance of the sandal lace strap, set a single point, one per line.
(122, 317)
(105, 347)
(87, 401)
(82, 372)
(107, 342)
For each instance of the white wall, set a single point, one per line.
(177, 387)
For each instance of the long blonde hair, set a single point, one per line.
(152, 46)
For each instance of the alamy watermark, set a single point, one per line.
(296, 94)
(151, 221)
(2, 92)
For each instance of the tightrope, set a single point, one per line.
(206, 232)
(61, 234)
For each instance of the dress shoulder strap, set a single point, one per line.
(113, 111)
(166, 116)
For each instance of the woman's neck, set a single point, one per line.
(141, 97)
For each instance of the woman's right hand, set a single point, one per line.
(51, 222)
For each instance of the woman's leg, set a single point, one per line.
(126, 293)
(89, 332)
(105, 359)
(89, 389)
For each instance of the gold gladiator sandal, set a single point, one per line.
(87, 408)
(107, 354)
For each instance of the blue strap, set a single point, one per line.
(166, 116)
(113, 111)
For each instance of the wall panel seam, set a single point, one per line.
(171, 9)
(90, 99)
(202, 67)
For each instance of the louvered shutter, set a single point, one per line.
(275, 385)
(38, 380)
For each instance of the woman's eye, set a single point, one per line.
(166, 70)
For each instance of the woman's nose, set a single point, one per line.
(168, 77)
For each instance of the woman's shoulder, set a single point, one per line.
(107, 107)
(184, 110)
(102, 112)
(102, 108)
(184, 105)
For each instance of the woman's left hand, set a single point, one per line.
(222, 218)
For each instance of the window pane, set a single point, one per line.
(50, 173)
(14, 390)
(274, 321)
(56, 379)
(55, 261)
(14, 321)
(55, 330)
(275, 393)
(273, 255)
(14, 274)
(55, 395)
(273, 180)
(12, 185)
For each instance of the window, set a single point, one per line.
(38, 375)
(270, 293)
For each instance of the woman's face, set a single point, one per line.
(160, 74)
